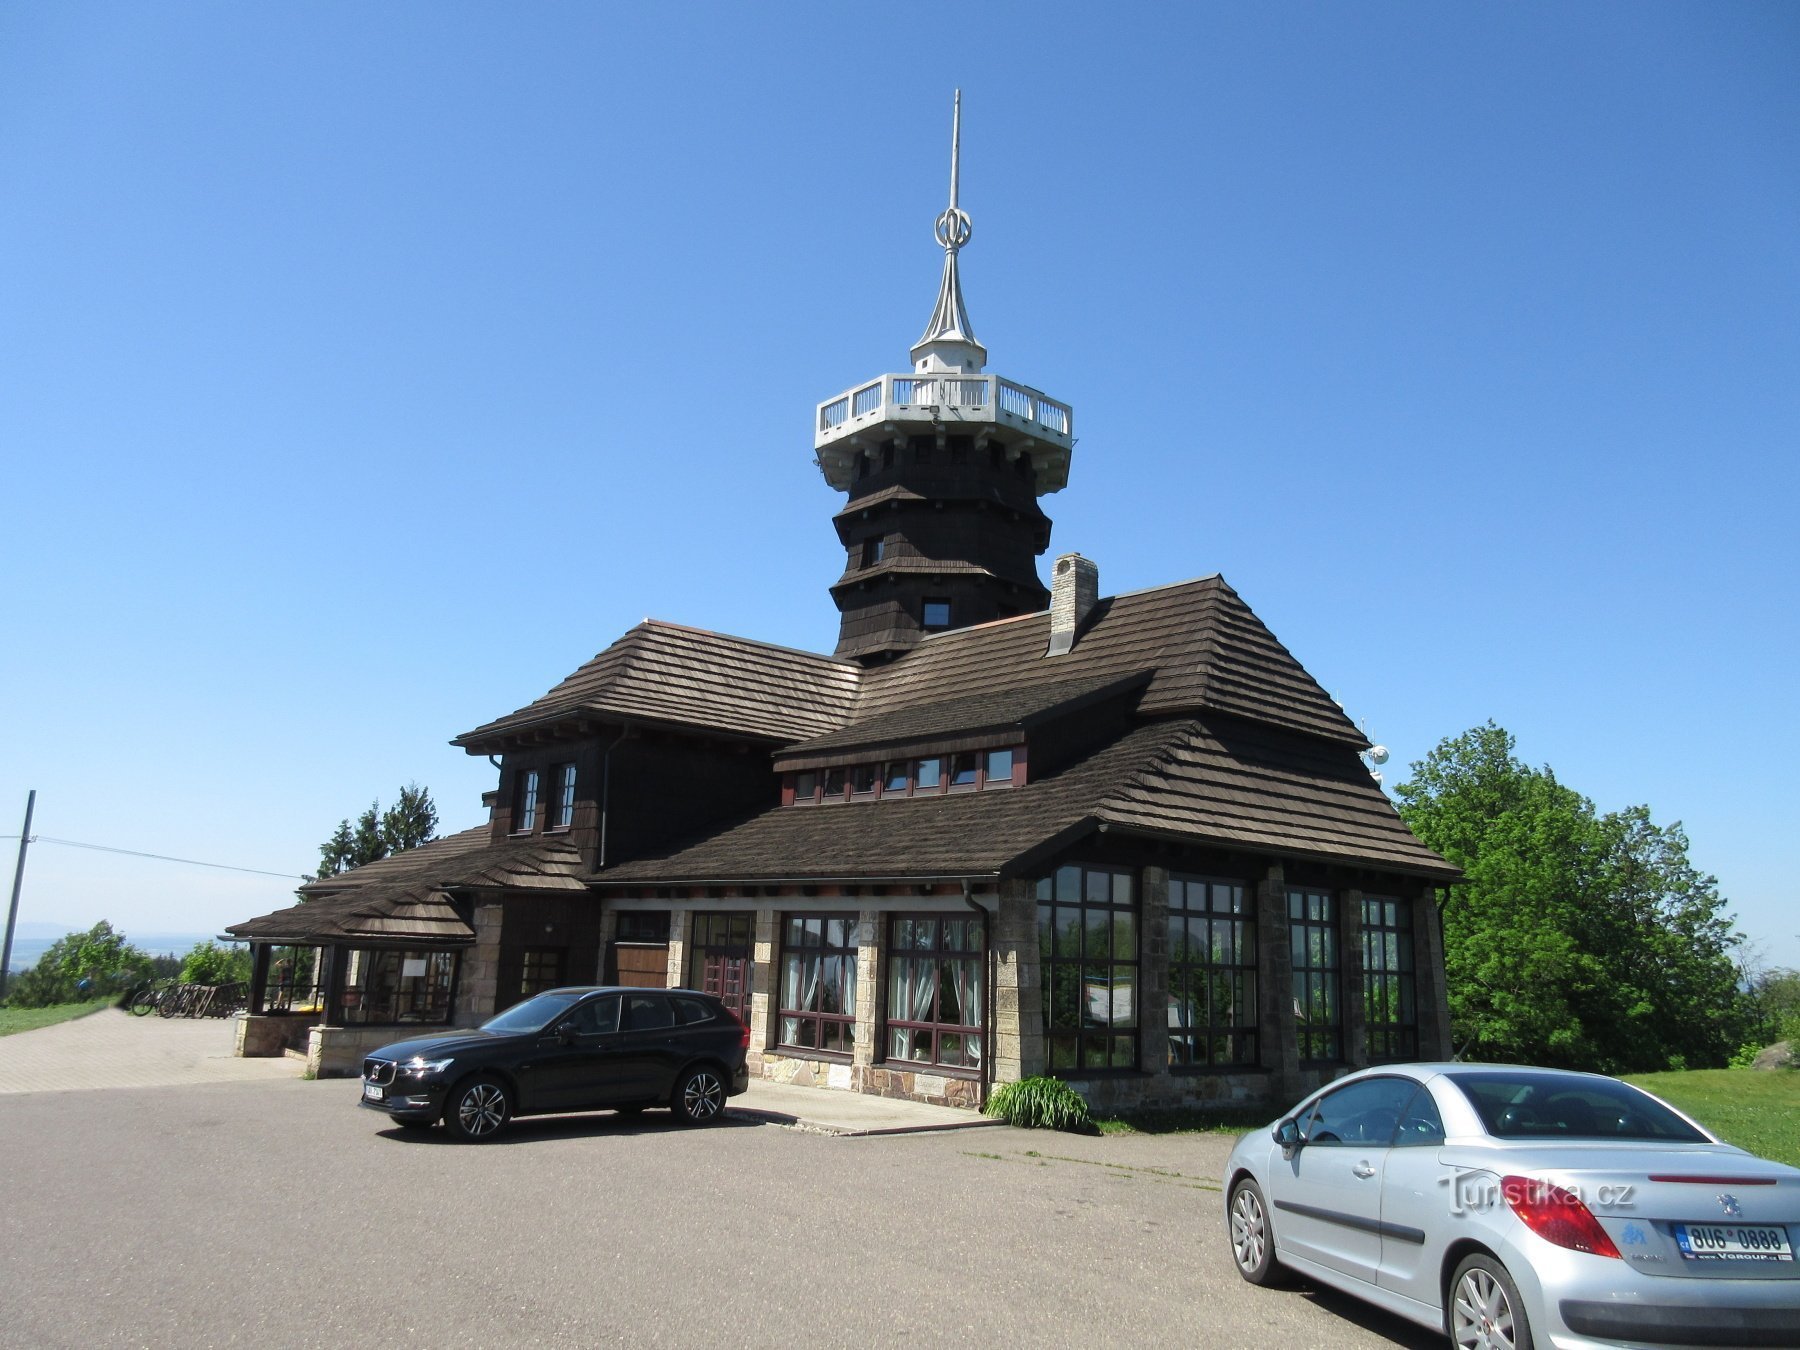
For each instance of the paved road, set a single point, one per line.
(114, 1049)
(275, 1213)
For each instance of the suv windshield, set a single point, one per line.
(1516, 1104)
(534, 1014)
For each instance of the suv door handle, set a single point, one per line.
(1363, 1170)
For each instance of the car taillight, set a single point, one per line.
(1556, 1216)
(743, 1032)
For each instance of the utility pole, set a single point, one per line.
(12, 910)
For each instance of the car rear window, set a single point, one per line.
(1515, 1104)
(690, 1011)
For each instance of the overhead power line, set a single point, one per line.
(159, 857)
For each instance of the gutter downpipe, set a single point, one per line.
(990, 978)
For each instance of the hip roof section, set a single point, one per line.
(670, 675)
(407, 897)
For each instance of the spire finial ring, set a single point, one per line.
(953, 229)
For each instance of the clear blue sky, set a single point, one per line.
(366, 368)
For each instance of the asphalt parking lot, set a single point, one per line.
(273, 1212)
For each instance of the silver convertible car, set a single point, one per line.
(1516, 1206)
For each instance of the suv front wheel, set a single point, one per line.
(699, 1097)
(477, 1110)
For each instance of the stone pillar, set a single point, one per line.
(1431, 994)
(1153, 971)
(681, 936)
(1275, 984)
(871, 972)
(1350, 980)
(763, 1007)
(1018, 1010)
(479, 986)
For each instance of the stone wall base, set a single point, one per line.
(269, 1035)
(337, 1052)
(878, 1080)
(1170, 1091)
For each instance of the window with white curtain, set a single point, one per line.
(818, 983)
(935, 1013)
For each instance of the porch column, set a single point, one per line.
(1431, 994)
(1018, 1012)
(335, 959)
(1278, 1037)
(681, 934)
(763, 1006)
(1350, 980)
(871, 970)
(259, 976)
(1153, 972)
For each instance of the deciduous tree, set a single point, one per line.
(1580, 939)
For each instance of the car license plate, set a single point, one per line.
(1732, 1242)
(374, 1093)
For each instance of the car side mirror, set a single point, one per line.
(566, 1033)
(1287, 1134)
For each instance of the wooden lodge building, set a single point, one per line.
(1127, 840)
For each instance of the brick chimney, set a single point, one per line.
(1074, 588)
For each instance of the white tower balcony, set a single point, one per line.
(948, 403)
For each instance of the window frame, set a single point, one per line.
(562, 810)
(1070, 1045)
(937, 953)
(927, 604)
(525, 799)
(816, 1017)
(1323, 977)
(1390, 987)
(1242, 1034)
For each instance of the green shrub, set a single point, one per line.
(1746, 1055)
(209, 963)
(1041, 1104)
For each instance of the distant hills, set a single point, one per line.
(29, 948)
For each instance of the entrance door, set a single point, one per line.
(724, 946)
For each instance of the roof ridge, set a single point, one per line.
(850, 667)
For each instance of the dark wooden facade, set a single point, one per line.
(947, 519)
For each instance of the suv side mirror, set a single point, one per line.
(1287, 1134)
(566, 1032)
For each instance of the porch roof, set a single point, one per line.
(408, 897)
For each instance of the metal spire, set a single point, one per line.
(949, 336)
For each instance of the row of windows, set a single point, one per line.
(1089, 945)
(934, 983)
(527, 791)
(967, 772)
(1088, 958)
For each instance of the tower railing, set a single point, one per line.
(912, 397)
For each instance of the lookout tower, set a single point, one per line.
(943, 467)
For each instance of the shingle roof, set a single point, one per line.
(960, 834)
(993, 710)
(664, 673)
(1206, 649)
(406, 897)
(1208, 781)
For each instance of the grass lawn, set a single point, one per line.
(1221, 1120)
(30, 1019)
(1759, 1111)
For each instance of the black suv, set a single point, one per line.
(567, 1050)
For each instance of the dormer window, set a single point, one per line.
(806, 787)
(999, 768)
(895, 779)
(873, 550)
(525, 803)
(834, 784)
(562, 815)
(964, 770)
(928, 776)
(863, 779)
(934, 616)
